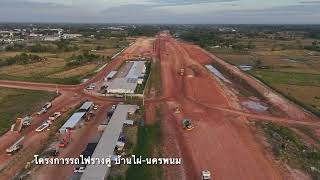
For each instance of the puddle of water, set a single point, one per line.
(217, 73)
(254, 105)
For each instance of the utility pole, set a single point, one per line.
(57, 90)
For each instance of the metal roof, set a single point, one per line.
(121, 84)
(86, 105)
(129, 83)
(73, 120)
(137, 69)
(111, 74)
(107, 144)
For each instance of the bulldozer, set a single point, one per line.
(187, 124)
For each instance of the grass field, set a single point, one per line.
(291, 149)
(293, 78)
(16, 103)
(154, 83)
(286, 68)
(78, 71)
(54, 70)
(149, 137)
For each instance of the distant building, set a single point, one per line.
(115, 28)
(35, 35)
(51, 38)
(71, 36)
(245, 67)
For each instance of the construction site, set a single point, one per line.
(204, 122)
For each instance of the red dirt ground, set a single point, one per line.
(217, 143)
(292, 110)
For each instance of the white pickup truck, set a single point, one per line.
(45, 108)
(43, 126)
(55, 116)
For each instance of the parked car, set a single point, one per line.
(95, 107)
(41, 111)
(43, 126)
(55, 115)
(91, 87)
(79, 169)
(47, 106)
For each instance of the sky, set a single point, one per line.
(162, 11)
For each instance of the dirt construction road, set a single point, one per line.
(220, 142)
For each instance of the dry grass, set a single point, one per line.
(282, 53)
(4, 55)
(106, 52)
(312, 97)
(78, 71)
(237, 59)
(40, 68)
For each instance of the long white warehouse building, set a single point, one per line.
(128, 84)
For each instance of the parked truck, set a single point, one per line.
(20, 123)
(26, 121)
(65, 139)
(15, 146)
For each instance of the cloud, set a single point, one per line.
(161, 11)
(28, 4)
(309, 2)
(188, 2)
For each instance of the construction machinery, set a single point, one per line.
(65, 140)
(15, 146)
(187, 124)
(205, 175)
(26, 121)
(182, 71)
(177, 110)
(21, 123)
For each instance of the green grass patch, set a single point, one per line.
(140, 87)
(294, 78)
(155, 79)
(149, 138)
(134, 100)
(287, 146)
(271, 80)
(15, 103)
(309, 132)
(39, 78)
